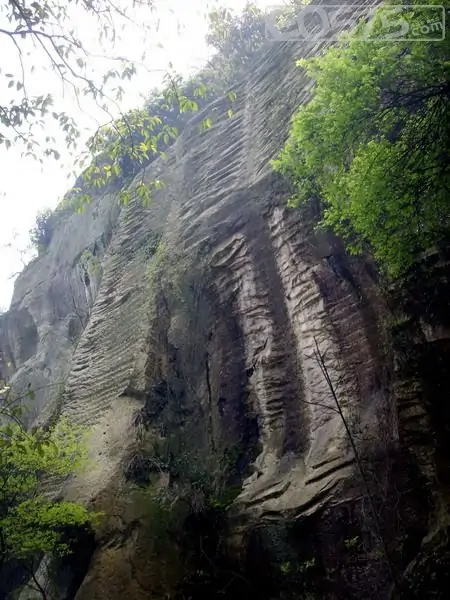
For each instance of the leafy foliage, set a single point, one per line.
(123, 148)
(31, 524)
(43, 36)
(237, 37)
(372, 142)
(36, 526)
(90, 263)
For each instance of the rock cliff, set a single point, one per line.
(222, 299)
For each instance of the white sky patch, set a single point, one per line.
(177, 34)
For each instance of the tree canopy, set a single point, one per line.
(236, 37)
(41, 234)
(372, 145)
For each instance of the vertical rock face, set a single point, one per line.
(270, 297)
(51, 306)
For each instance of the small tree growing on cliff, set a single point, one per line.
(42, 233)
(236, 37)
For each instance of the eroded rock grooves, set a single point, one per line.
(272, 295)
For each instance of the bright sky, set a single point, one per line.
(178, 27)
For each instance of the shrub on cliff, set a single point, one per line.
(373, 143)
(237, 38)
(42, 233)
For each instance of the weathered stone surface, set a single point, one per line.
(273, 294)
(51, 305)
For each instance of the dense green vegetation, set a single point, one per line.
(372, 146)
(30, 523)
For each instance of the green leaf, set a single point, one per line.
(206, 124)
(124, 197)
